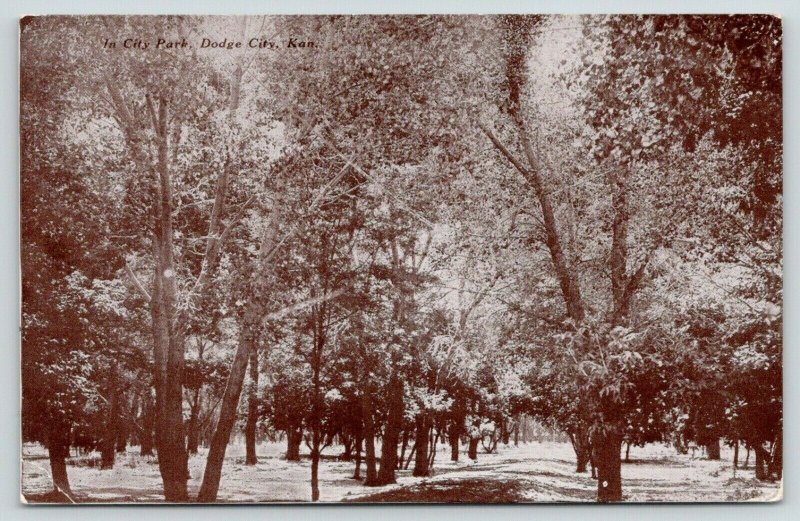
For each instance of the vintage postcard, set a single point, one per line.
(448, 259)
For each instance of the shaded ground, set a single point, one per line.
(451, 491)
(536, 472)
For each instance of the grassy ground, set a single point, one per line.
(535, 472)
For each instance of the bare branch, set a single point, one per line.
(136, 282)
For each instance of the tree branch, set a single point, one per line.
(136, 282)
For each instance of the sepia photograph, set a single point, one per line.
(401, 259)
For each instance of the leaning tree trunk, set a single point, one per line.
(391, 433)
(58, 452)
(422, 443)
(227, 417)
(252, 411)
(609, 466)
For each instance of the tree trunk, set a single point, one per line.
(148, 424)
(776, 458)
(391, 433)
(252, 411)
(713, 449)
(491, 449)
(472, 450)
(455, 436)
(609, 467)
(193, 428)
(347, 443)
(434, 444)
(680, 444)
(109, 443)
(457, 426)
(315, 444)
(628, 452)
(294, 436)
(58, 452)
(167, 336)
(403, 450)
(122, 439)
(423, 427)
(316, 405)
(369, 434)
(123, 428)
(411, 455)
(762, 460)
(227, 417)
(580, 443)
(736, 454)
(357, 472)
